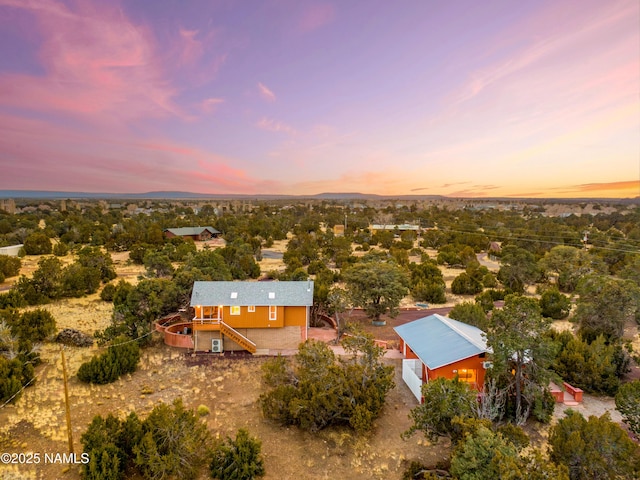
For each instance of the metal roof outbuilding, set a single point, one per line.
(440, 341)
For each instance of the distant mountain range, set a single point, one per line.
(176, 195)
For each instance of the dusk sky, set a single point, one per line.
(467, 98)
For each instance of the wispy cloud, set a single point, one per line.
(192, 48)
(544, 40)
(96, 61)
(70, 160)
(208, 105)
(475, 191)
(198, 55)
(447, 185)
(266, 93)
(631, 187)
(272, 125)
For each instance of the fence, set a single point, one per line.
(412, 376)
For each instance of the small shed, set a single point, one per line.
(438, 346)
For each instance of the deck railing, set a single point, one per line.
(206, 321)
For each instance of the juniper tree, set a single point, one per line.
(237, 459)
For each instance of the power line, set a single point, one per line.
(44, 369)
(22, 389)
(505, 237)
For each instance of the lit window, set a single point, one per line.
(468, 375)
(235, 310)
(251, 308)
(273, 312)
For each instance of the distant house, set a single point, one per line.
(12, 251)
(438, 346)
(252, 316)
(194, 233)
(494, 250)
(404, 227)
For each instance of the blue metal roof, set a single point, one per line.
(440, 341)
(298, 293)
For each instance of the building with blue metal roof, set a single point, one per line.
(438, 346)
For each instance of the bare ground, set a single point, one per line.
(230, 388)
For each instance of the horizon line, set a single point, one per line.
(176, 194)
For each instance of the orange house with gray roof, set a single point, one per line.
(258, 317)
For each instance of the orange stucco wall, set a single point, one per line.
(174, 336)
(285, 317)
(469, 364)
(472, 365)
(257, 319)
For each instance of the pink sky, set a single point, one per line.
(463, 98)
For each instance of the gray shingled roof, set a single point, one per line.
(182, 231)
(253, 293)
(440, 341)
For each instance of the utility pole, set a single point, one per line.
(66, 400)
(585, 238)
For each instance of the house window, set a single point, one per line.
(251, 308)
(235, 310)
(468, 375)
(273, 312)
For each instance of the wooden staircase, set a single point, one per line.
(237, 337)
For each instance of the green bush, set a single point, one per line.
(11, 378)
(465, 284)
(628, 404)
(595, 367)
(319, 390)
(202, 410)
(426, 281)
(554, 304)
(238, 459)
(118, 360)
(37, 243)
(95, 258)
(471, 313)
(108, 292)
(10, 266)
(34, 326)
(60, 249)
(444, 401)
(489, 280)
(12, 299)
(109, 444)
(594, 448)
(174, 444)
(78, 280)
